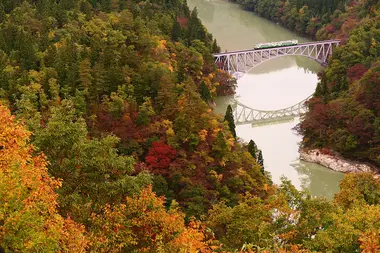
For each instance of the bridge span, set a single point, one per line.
(244, 114)
(237, 63)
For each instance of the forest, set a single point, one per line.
(108, 142)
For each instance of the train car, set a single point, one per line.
(276, 44)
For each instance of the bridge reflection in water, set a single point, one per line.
(244, 114)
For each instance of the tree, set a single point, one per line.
(159, 157)
(176, 31)
(252, 149)
(205, 92)
(260, 159)
(85, 76)
(93, 172)
(219, 147)
(28, 211)
(142, 224)
(229, 117)
(195, 27)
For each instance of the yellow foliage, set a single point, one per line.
(170, 132)
(28, 209)
(51, 35)
(230, 142)
(144, 224)
(202, 134)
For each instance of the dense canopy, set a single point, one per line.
(114, 147)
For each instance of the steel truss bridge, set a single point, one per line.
(237, 63)
(244, 114)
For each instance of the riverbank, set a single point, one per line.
(336, 162)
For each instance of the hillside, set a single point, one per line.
(114, 148)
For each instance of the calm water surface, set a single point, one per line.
(275, 84)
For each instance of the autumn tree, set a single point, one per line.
(159, 157)
(92, 170)
(29, 217)
(142, 224)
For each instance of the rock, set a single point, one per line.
(334, 162)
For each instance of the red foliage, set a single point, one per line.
(356, 72)
(330, 28)
(182, 21)
(160, 156)
(325, 151)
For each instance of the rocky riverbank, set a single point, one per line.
(335, 162)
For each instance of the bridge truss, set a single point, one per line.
(244, 114)
(237, 63)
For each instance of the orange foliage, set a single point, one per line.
(28, 209)
(370, 242)
(143, 224)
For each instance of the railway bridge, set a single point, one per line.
(237, 63)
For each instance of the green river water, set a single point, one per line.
(275, 84)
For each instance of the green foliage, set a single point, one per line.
(252, 149)
(260, 159)
(229, 117)
(205, 92)
(106, 85)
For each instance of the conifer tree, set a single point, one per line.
(252, 149)
(205, 92)
(260, 159)
(176, 31)
(229, 117)
(220, 146)
(215, 47)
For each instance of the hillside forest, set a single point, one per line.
(108, 142)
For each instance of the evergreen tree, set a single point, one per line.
(195, 27)
(85, 76)
(176, 31)
(215, 47)
(229, 117)
(205, 92)
(220, 147)
(181, 72)
(260, 159)
(252, 149)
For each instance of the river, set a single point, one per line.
(275, 84)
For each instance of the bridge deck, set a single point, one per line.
(259, 49)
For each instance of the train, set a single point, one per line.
(276, 44)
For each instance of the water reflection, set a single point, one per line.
(275, 84)
(318, 180)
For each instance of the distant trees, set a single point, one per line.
(303, 16)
